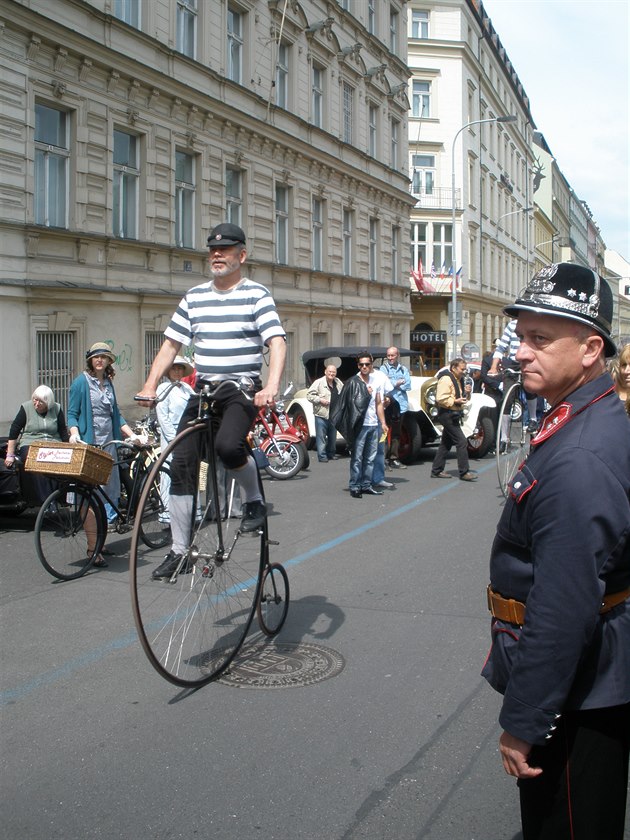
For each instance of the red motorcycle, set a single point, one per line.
(272, 434)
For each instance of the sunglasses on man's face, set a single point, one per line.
(365, 364)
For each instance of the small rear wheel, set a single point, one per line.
(70, 532)
(274, 599)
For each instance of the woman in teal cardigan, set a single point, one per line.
(93, 415)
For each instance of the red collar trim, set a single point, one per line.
(560, 416)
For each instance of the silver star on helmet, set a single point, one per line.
(571, 293)
(582, 295)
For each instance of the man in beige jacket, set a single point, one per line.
(323, 394)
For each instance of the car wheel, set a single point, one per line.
(298, 418)
(481, 441)
(410, 444)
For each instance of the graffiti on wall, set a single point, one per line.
(124, 356)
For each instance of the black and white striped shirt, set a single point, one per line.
(228, 329)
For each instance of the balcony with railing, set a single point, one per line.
(434, 198)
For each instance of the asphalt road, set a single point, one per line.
(400, 744)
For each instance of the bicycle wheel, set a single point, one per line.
(512, 439)
(154, 527)
(70, 519)
(273, 604)
(193, 623)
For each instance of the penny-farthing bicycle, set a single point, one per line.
(193, 624)
(512, 445)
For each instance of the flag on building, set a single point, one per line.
(433, 273)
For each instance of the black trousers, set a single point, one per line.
(452, 435)
(581, 794)
(236, 416)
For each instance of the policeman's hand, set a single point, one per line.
(515, 755)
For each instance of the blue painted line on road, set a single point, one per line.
(12, 695)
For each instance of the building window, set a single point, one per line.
(373, 250)
(395, 254)
(419, 24)
(186, 27)
(394, 144)
(126, 178)
(371, 27)
(318, 234)
(235, 46)
(346, 232)
(282, 225)
(442, 248)
(184, 200)
(320, 339)
(419, 247)
(345, 5)
(152, 342)
(349, 339)
(128, 11)
(234, 195)
(421, 99)
(282, 76)
(372, 130)
(423, 174)
(348, 113)
(51, 166)
(393, 31)
(317, 95)
(55, 362)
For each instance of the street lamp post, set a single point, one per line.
(507, 118)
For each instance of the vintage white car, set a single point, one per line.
(420, 426)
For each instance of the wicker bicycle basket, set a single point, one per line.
(70, 460)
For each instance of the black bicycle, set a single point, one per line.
(512, 445)
(71, 526)
(193, 623)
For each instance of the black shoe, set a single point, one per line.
(532, 427)
(335, 458)
(169, 565)
(356, 494)
(254, 514)
(441, 475)
(372, 491)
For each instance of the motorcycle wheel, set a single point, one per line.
(286, 458)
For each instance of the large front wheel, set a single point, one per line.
(193, 609)
(70, 532)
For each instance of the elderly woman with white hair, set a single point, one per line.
(39, 419)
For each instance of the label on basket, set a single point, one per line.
(54, 456)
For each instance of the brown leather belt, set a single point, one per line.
(507, 609)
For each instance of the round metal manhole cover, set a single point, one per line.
(282, 665)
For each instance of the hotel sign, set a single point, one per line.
(427, 337)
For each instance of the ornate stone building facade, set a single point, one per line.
(131, 127)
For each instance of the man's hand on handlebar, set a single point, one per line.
(265, 397)
(146, 398)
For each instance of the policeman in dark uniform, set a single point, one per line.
(560, 572)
